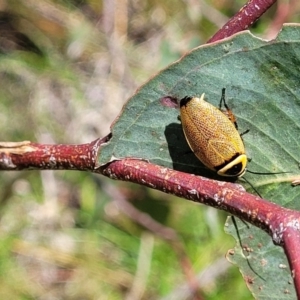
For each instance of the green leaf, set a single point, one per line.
(262, 88)
(264, 267)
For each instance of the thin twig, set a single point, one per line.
(243, 19)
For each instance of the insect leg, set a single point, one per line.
(228, 111)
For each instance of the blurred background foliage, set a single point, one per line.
(66, 69)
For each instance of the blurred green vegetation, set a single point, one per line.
(66, 69)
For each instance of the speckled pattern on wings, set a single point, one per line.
(210, 134)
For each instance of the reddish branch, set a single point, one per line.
(242, 20)
(28, 156)
(282, 224)
(226, 196)
(291, 242)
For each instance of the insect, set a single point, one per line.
(213, 136)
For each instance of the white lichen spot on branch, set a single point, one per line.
(7, 163)
(277, 233)
(257, 7)
(295, 224)
(219, 199)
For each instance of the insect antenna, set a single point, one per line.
(259, 173)
(267, 173)
(256, 191)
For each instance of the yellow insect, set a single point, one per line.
(212, 135)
